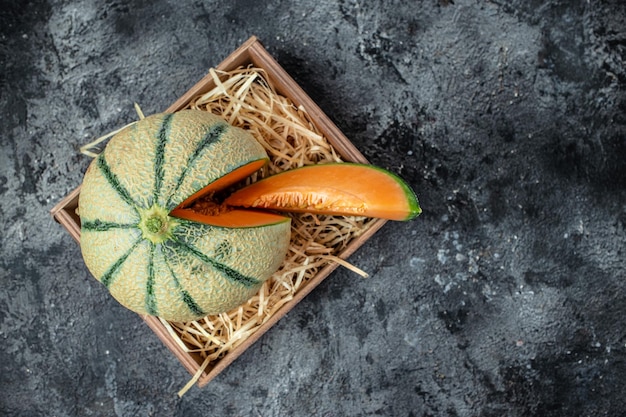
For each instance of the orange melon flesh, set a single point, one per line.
(336, 189)
(225, 181)
(231, 218)
(224, 216)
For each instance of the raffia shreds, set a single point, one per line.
(245, 98)
(91, 149)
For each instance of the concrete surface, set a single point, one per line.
(506, 298)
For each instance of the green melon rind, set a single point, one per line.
(182, 275)
(414, 206)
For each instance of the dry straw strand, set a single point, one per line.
(90, 148)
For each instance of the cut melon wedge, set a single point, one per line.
(336, 189)
(225, 181)
(232, 218)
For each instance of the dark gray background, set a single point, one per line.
(505, 298)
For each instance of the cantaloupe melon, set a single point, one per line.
(177, 268)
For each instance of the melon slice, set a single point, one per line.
(339, 189)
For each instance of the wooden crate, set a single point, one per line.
(251, 52)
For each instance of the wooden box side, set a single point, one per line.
(65, 213)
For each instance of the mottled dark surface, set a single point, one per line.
(507, 297)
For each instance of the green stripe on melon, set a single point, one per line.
(156, 264)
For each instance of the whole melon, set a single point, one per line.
(157, 264)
